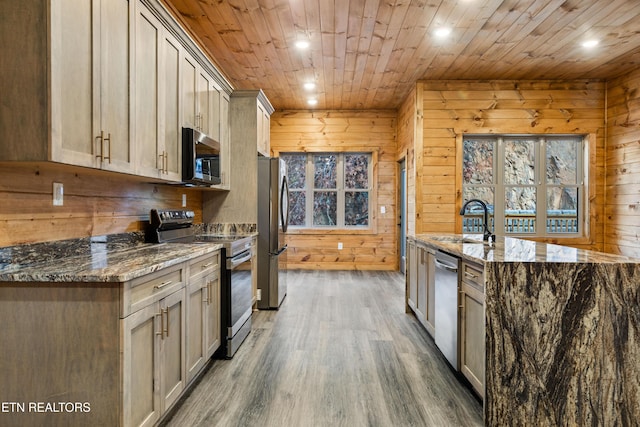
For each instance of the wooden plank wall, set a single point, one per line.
(623, 166)
(453, 108)
(406, 138)
(95, 202)
(302, 131)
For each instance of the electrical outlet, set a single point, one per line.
(58, 194)
(383, 209)
(184, 200)
(259, 295)
(339, 246)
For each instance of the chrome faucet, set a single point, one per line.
(487, 236)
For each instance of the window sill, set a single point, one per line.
(331, 231)
(557, 240)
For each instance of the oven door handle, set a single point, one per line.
(236, 261)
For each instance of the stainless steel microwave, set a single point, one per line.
(200, 158)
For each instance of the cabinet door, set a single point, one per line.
(412, 276)
(472, 333)
(141, 367)
(171, 130)
(196, 354)
(148, 29)
(225, 141)
(203, 104)
(431, 293)
(266, 132)
(212, 319)
(421, 303)
(113, 103)
(261, 140)
(172, 368)
(189, 89)
(214, 113)
(72, 82)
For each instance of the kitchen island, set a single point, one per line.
(562, 332)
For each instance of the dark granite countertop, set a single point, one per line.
(510, 249)
(114, 258)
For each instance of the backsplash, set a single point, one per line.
(226, 228)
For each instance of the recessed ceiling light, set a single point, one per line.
(309, 86)
(590, 43)
(312, 101)
(303, 44)
(442, 32)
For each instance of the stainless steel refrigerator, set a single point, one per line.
(273, 217)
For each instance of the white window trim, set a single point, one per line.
(310, 189)
(540, 185)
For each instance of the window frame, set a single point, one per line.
(584, 174)
(309, 228)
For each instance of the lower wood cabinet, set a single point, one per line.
(153, 359)
(420, 284)
(472, 326)
(203, 308)
(116, 354)
(411, 276)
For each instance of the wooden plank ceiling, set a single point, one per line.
(367, 54)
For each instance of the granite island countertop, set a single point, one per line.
(113, 258)
(562, 332)
(511, 249)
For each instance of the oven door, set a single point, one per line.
(240, 299)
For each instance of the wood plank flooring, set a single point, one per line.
(341, 351)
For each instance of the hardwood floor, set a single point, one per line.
(341, 351)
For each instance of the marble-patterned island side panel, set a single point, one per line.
(562, 344)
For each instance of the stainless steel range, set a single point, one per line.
(236, 295)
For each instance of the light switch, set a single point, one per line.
(58, 194)
(339, 246)
(383, 209)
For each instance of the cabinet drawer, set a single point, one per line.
(473, 274)
(148, 289)
(204, 265)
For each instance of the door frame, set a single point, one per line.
(402, 213)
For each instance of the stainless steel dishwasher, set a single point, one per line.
(446, 316)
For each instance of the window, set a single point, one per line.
(329, 189)
(525, 181)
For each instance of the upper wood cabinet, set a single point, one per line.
(157, 120)
(90, 115)
(225, 141)
(251, 120)
(201, 99)
(104, 84)
(205, 107)
(69, 96)
(264, 125)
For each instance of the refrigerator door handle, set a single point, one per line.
(282, 249)
(284, 204)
